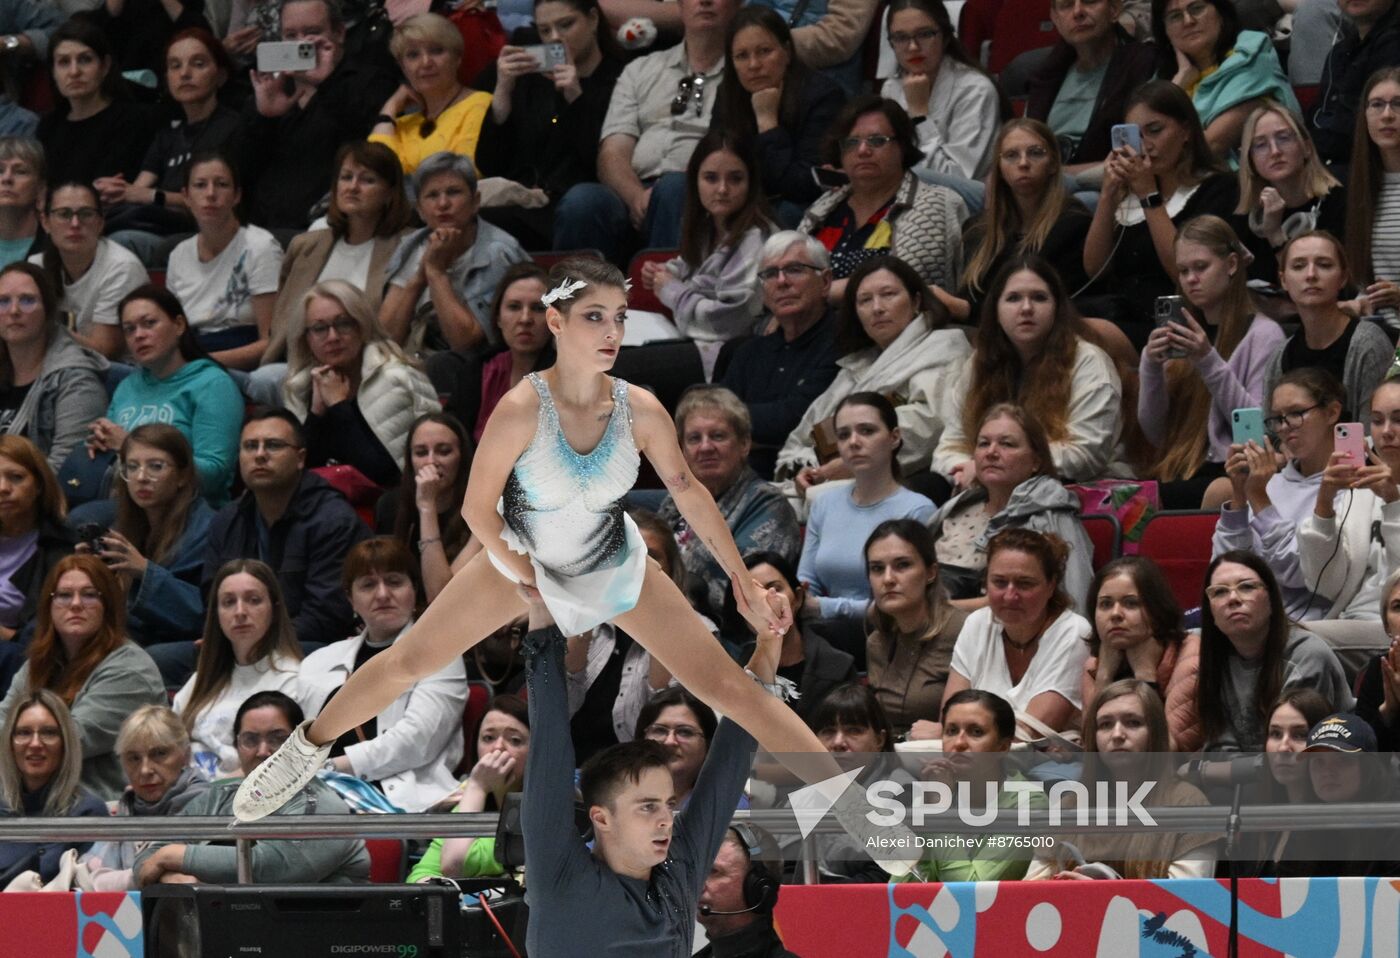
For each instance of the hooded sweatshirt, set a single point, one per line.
(201, 401)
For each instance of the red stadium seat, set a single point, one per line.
(641, 297)
(1179, 542)
(388, 860)
(1021, 25)
(1308, 97)
(1106, 534)
(478, 701)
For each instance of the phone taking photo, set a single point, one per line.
(1349, 439)
(1171, 310)
(1247, 425)
(286, 56)
(1126, 134)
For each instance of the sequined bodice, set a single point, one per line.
(566, 506)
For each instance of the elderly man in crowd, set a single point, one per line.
(715, 432)
(777, 376)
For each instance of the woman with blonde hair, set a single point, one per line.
(154, 747)
(1014, 486)
(82, 654)
(354, 389)
(248, 646)
(1285, 189)
(1028, 210)
(1196, 372)
(368, 214)
(432, 111)
(40, 767)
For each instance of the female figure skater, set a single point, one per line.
(550, 519)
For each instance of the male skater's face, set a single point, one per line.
(635, 828)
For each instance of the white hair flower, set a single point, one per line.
(563, 291)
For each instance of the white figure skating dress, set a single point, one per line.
(563, 510)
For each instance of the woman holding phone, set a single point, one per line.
(1268, 506)
(543, 128)
(1203, 362)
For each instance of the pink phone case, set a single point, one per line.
(1350, 438)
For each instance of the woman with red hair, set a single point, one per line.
(81, 653)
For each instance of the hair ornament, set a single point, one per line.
(564, 291)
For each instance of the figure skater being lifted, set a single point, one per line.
(559, 453)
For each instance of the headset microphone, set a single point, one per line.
(707, 911)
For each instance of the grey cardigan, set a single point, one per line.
(123, 681)
(68, 395)
(1043, 505)
(324, 861)
(1368, 357)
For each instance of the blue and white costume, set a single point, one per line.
(563, 510)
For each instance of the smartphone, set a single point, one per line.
(1126, 134)
(1248, 425)
(548, 55)
(1171, 309)
(829, 179)
(286, 56)
(1349, 438)
(91, 533)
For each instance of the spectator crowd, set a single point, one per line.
(915, 322)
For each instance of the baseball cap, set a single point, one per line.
(1342, 732)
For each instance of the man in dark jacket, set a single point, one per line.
(780, 374)
(292, 520)
(1082, 87)
(300, 120)
(1368, 39)
(736, 907)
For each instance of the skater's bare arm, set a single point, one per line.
(508, 433)
(655, 435)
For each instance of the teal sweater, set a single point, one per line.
(202, 402)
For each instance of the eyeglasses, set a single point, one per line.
(874, 141)
(1193, 10)
(27, 303)
(690, 89)
(1283, 140)
(1246, 590)
(683, 733)
(1290, 419)
(155, 468)
(920, 37)
(790, 271)
(250, 741)
(343, 327)
(83, 214)
(1379, 106)
(271, 445)
(1033, 153)
(83, 597)
(47, 734)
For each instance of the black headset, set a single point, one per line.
(760, 883)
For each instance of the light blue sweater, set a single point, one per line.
(833, 554)
(200, 400)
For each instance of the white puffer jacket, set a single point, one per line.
(392, 394)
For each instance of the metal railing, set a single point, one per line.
(779, 822)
